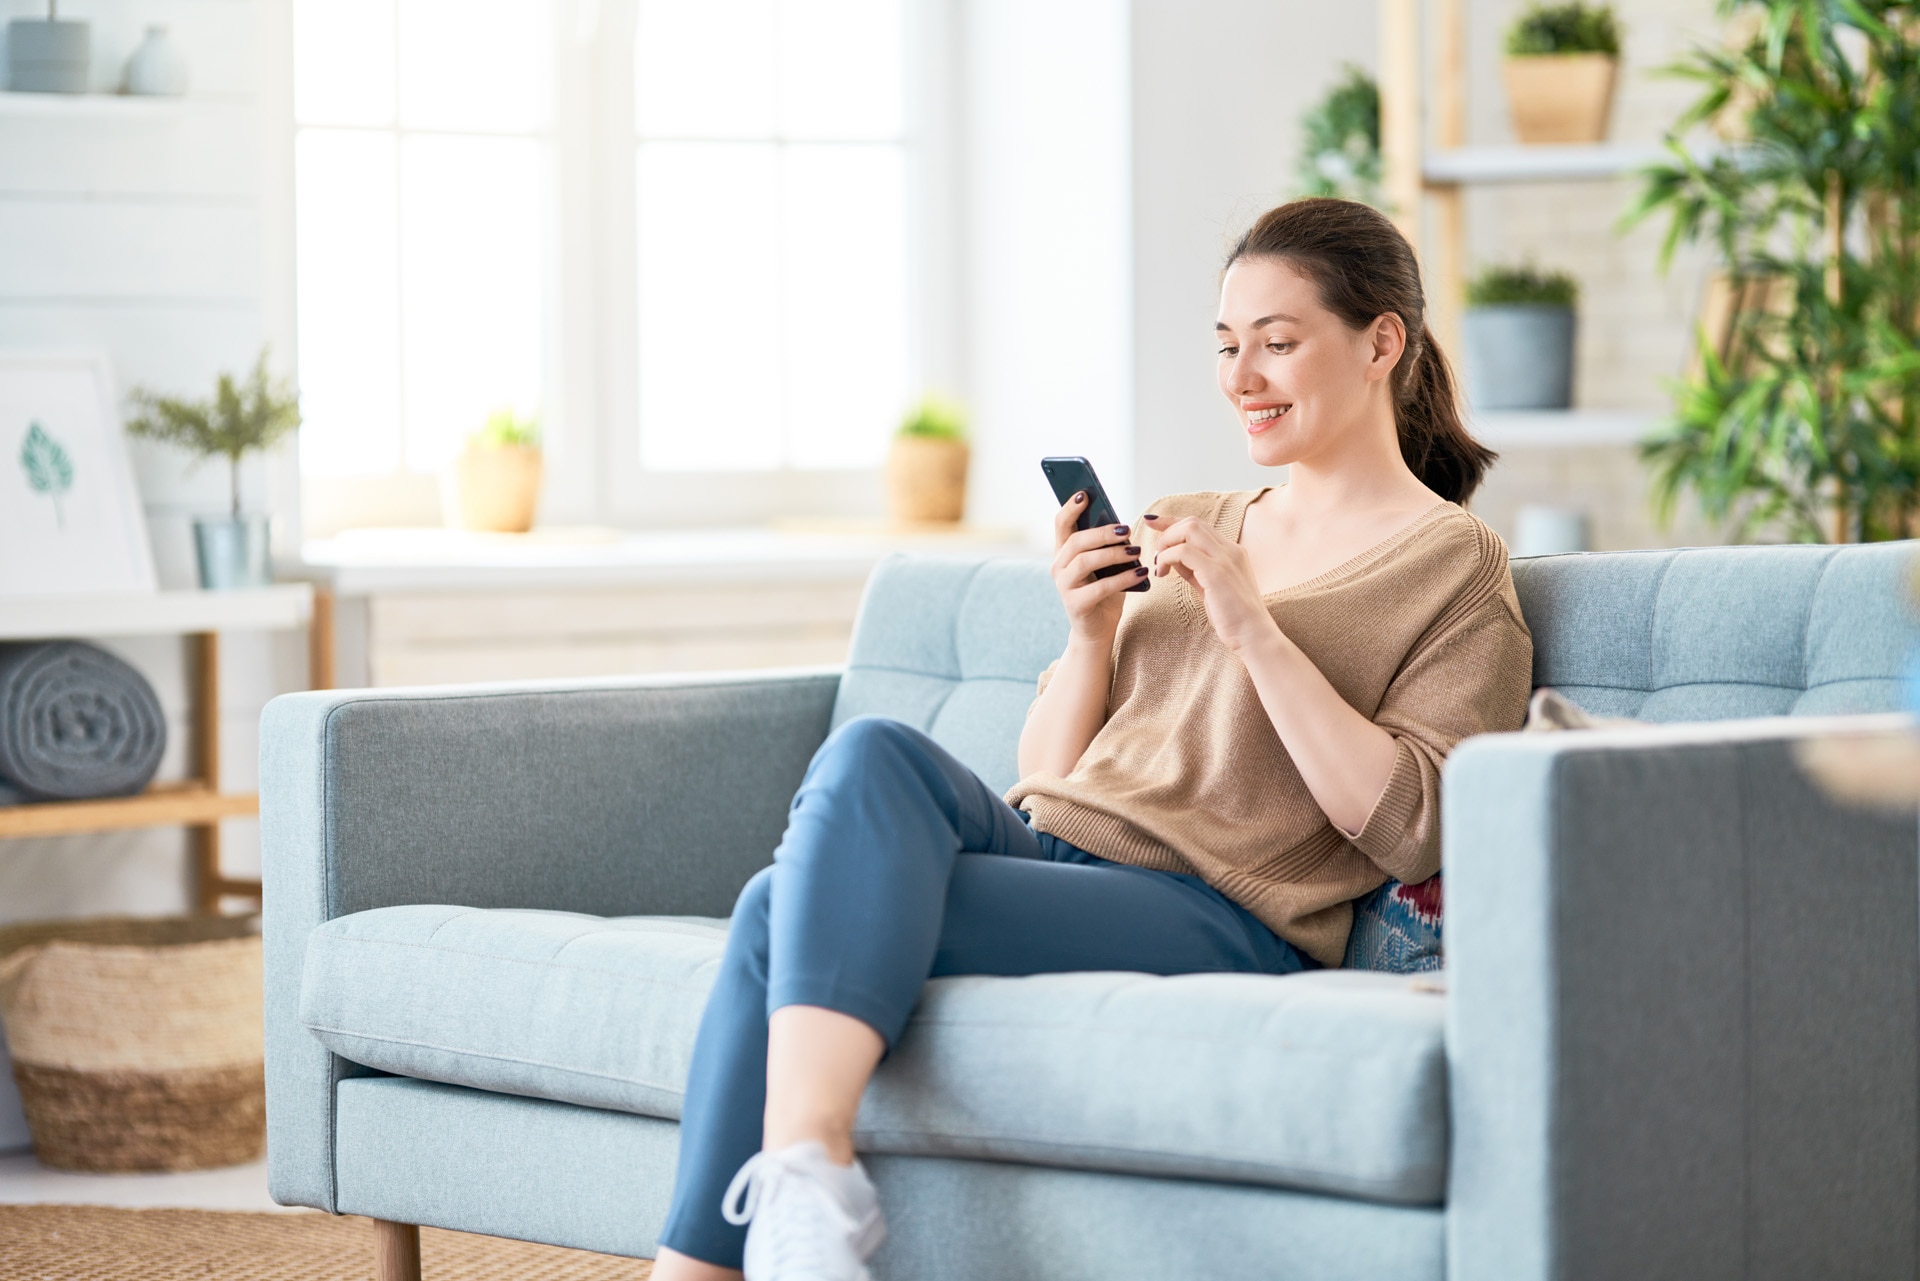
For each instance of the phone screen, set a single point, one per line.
(1070, 475)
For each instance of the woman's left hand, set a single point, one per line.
(1219, 572)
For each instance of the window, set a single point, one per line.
(770, 194)
(422, 157)
(679, 230)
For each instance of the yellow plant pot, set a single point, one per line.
(1560, 97)
(927, 479)
(494, 488)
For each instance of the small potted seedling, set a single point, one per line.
(494, 485)
(241, 418)
(1560, 68)
(927, 468)
(1519, 339)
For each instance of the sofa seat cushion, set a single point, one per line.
(1332, 1081)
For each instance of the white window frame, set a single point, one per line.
(591, 386)
(614, 484)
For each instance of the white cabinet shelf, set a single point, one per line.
(282, 606)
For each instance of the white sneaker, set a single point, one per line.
(808, 1219)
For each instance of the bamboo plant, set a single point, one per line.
(1802, 418)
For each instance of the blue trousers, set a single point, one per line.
(899, 864)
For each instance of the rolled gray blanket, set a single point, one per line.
(75, 722)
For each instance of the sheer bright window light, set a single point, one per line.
(771, 177)
(422, 180)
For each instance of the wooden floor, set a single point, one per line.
(98, 1243)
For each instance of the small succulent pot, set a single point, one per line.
(493, 488)
(1519, 356)
(47, 55)
(1560, 97)
(233, 552)
(927, 479)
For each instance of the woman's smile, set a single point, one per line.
(1262, 414)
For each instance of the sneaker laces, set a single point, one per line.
(763, 1176)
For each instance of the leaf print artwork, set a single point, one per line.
(48, 469)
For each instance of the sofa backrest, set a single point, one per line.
(954, 647)
(1717, 632)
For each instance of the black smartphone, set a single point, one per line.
(1069, 476)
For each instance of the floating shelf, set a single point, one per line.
(185, 803)
(1583, 162)
(1563, 428)
(284, 605)
(117, 106)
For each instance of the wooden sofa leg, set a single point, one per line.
(396, 1251)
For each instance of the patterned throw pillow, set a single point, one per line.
(1397, 929)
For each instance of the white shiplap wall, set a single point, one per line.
(159, 232)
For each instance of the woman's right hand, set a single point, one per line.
(1093, 604)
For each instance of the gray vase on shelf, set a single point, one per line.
(1519, 356)
(232, 551)
(46, 55)
(157, 68)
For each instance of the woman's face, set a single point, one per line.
(1299, 377)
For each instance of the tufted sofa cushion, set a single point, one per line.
(1721, 632)
(953, 648)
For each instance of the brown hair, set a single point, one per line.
(1364, 268)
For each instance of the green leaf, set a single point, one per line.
(49, 470)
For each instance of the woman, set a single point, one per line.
(1213, 770)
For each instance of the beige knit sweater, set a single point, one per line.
(1422, 634)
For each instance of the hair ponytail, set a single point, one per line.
(1364, 268)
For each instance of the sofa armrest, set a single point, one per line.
(1683, 1034)
(616, 797)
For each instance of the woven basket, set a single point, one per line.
(137, 1043)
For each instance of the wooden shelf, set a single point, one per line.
(1459, 166)
(184, 803)
(281, 606)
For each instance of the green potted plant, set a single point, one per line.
(1802, 416)
(1560, 67)
(1340, 141)
(242, 417)
(494, 484)
(927, 466)
(1518, 333)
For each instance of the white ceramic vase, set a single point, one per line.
(157, 68)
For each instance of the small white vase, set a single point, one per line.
(157, 68)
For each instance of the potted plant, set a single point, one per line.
(927, 467)
(1519, 339)
(1340, 141)
(494, 484)
(241, 417)
(1560, 67)
(1802, 417)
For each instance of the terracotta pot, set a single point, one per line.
(927, 479)
(494, 488)
(1560, 97)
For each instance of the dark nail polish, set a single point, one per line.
(1133, 551)
(1121, 530)
(1150, 516)
(1080, 497)
(1141, 572)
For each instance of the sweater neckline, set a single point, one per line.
(1235, 516)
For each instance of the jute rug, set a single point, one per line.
(94, 1243)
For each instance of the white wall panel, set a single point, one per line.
(188, 148)
(60, 249)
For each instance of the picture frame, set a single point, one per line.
(71, 520)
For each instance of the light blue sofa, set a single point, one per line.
(1681, 1036)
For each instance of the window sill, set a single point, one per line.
(366, 562)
